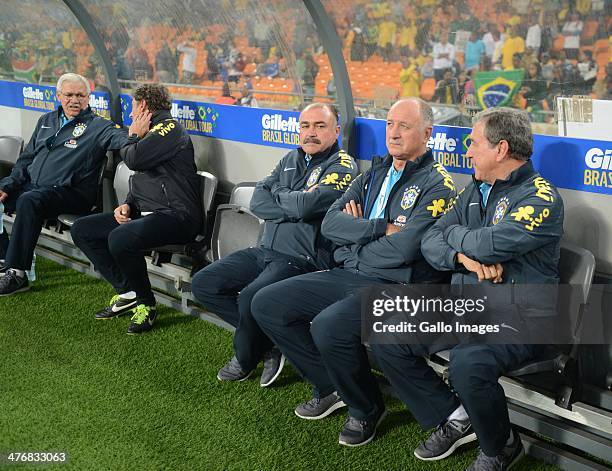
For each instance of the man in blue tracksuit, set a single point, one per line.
(292, 201)
(315, 319)
(56, 173)
(505, 228)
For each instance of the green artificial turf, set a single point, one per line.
(113, 401)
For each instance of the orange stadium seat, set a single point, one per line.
(558, 43)
(250, 68)
(428, 88)
(588, 33)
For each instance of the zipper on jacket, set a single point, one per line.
(163, 185)
(42, 164)
(403, 179)
(369, 188)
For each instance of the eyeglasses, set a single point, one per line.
(78, 96)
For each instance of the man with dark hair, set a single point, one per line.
(377, 225)
(505, 227)
(293, 201)
(162, 207)
(56, 173)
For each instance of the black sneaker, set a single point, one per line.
(318, 408)
(273, 363)
(509, 456)
(142, 320)
(232, 371)
(359, 432)
(445, 439)
(12, 283)
(117, 307)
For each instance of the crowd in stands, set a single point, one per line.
(562, 47)
(425, 48)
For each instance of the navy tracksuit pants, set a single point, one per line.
(474, 372)
(227, 286)
(32, 206)
(315, 319)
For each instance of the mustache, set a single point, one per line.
(314, 140)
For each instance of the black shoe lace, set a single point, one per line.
(8, 277)
(444, 430)
(315, 401)
(353, 423)
(488, 462)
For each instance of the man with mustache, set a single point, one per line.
(292, 200)
(56, 173)
(377, 225)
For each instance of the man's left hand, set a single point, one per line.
(354, 209)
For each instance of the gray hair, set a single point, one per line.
(73, 78)
(510, 125)
(426, 112)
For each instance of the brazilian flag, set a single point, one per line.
(497, 87)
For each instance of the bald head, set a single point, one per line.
(409, 126)
(318, 128)
(425, 111)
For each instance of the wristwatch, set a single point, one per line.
(134, 136)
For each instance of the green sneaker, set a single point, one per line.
(142, 320)
(117, 307)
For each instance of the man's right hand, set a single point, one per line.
(3, 196)
(485, 272)
(122, 213)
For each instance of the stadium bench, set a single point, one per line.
(10, 149)
(236, 227)
(576, 268)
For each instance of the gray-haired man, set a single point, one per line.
(56, 173)
(505, 227)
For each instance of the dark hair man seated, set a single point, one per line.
(315, 319)
(293, 201)
(487, 237)
(162, 207)
(56, 173)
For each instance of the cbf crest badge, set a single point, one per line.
(314, 176)
(410, 196)
(500, 210)
(79, 129)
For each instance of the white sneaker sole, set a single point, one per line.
(331, 410)
(223, 380)
(462, 441)
(353, 445)
(20, 290)
(278, 372)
